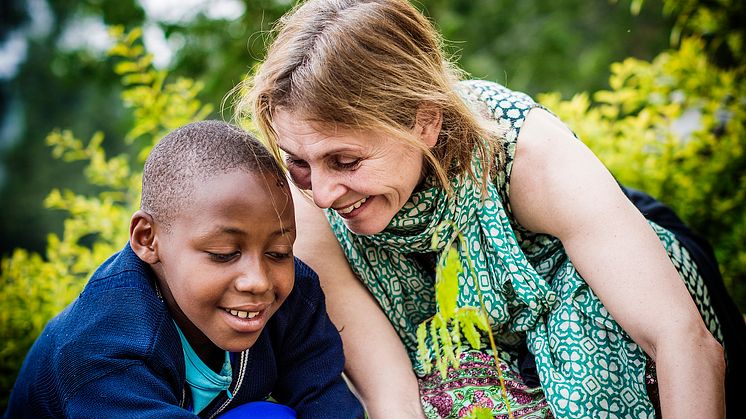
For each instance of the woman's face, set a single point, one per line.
(365, 177)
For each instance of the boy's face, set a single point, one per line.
(227, 260)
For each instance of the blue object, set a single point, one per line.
(260, 410)
(115, 352)
(204, 383)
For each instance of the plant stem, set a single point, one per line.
(503, 390)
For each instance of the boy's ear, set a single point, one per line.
(142, 237)
(428, 122)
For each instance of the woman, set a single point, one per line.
(374, 124)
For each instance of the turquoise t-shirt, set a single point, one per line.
(205, 383)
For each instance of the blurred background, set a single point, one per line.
(55, 73)
(667, 117)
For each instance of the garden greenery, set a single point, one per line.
(36, 288)
(439, 338)
(673, 127)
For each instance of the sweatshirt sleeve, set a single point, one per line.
(311, 359)
(133, 391)
(126, 362)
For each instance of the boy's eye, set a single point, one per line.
(222, 257)
(278, 255)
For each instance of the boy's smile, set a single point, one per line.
(225, 265)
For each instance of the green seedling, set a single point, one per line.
(451, 323)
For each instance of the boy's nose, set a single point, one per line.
(254, 280)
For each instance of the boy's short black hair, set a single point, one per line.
(195, 153)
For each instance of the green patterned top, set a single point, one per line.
(587, 364)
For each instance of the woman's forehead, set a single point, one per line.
(300, 122)
(296, 133)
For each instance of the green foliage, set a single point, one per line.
(446, 284)
(36, 288)
(451, 322)
(158, 107)
(675, 127)
(59, 84)
(718, 23)
(546, 45)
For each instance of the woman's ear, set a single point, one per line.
(143, 238)
(428, 122)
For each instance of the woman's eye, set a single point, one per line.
(290, 161)
(222, 257)
(347, 163)
(300, 176)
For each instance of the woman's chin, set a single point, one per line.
(366, 227)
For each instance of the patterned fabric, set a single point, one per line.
(587, 364)
(476, 384)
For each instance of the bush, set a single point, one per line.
(676, 128)
(638, 128)
(36, 288)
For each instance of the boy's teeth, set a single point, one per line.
(244, 314)
(352, 207)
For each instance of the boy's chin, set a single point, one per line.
(240, 344)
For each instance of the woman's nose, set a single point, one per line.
(325, 188)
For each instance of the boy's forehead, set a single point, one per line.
(243, 187)
(238, 206)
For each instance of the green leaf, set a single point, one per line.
(446, 283)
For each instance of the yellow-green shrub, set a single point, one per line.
(36, 288)
(700, 171)
(700, 174)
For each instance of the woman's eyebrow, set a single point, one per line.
(328, 153)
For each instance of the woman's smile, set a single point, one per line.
(350, 211)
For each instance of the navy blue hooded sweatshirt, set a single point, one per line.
(115, 352)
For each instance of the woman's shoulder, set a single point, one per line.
(501, 101)
(509, 109)
(495, 102)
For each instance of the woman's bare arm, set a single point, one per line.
(376, 361)
(559, 187)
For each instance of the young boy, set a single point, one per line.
(205, 308)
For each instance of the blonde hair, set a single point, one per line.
(368, 65)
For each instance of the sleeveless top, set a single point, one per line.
(588, 365)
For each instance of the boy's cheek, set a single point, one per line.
(285, 283)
